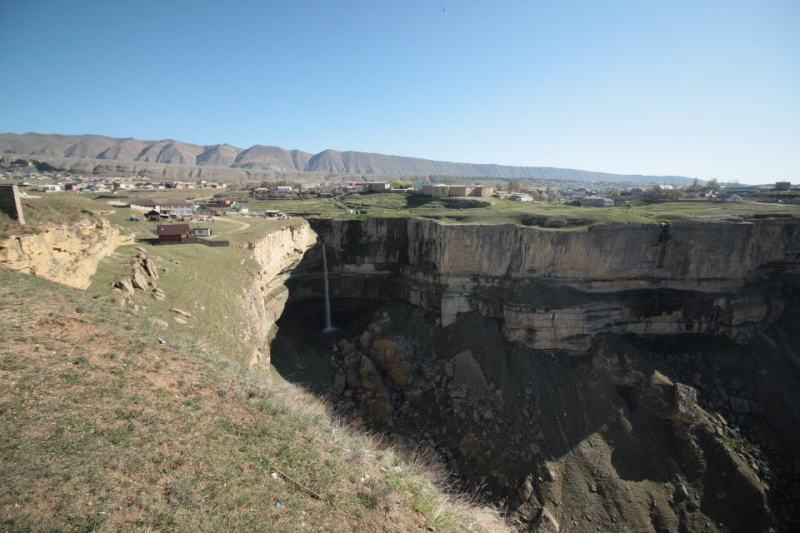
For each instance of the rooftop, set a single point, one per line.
(172, 229)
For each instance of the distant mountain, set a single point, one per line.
(271, 158)
(218, 155)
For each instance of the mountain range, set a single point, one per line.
(275, 159)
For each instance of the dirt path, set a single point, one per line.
(242, 225)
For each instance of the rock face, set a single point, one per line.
(65, 254)
(265, 297)
(559, 289)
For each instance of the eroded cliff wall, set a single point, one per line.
(276, 254)
(67, 254)
(558, 289)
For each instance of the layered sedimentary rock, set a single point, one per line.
(67, 254)
(276, 253)
(558, 289)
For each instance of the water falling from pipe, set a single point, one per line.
(328, 324)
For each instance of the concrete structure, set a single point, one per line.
(283, 189)
(734, 199)
(521, 197)
(460, 190)
(51, 187)
(596, 201)
(10, 204)
(440, 190)
(783, 185)
(201, 232)
(376, 186)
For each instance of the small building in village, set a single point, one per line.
(201, 232)
(170, 233)
(181, 208)
(376, 186)
(153, 215)
(521, 197)
(596, 201)
(141, 204)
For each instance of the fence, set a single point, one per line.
(190, 240)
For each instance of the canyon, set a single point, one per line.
(618, 377)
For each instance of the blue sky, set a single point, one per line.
(696, 88)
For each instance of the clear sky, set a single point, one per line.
(696, 88)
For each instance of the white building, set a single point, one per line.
(521, 197)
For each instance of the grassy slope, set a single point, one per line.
(102, 428)
(207, 282)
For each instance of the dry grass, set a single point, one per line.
(104, 429)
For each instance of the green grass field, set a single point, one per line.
(507, 212)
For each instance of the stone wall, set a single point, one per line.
(10, 204)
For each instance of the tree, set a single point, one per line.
(514, 186)
(615, 193)
(675, 194)
(713, 183)
(398, 184)
(695, 185)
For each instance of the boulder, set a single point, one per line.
(526, 490)
(150, 267)
(125, 285)
(138, 279)
(685, 402)
(181, 312)
(468, 374)
(339, 381)
(385, 352)
(158, 294)
(546, 522)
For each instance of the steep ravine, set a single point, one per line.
(276, 254)
(621, 378)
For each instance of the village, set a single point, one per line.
(183, 212)
(605, 194)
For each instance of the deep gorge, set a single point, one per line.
(620, 377)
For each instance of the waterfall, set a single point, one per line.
(328, 324)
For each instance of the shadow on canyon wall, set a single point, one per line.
(602, 439)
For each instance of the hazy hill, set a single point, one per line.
(271, 158)
(219, 155)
